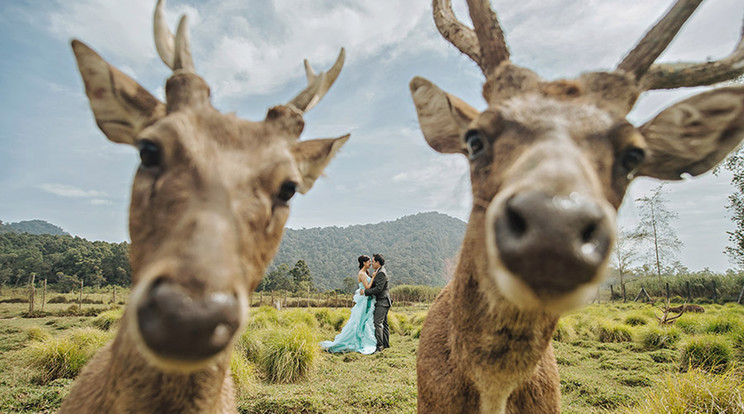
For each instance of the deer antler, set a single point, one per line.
(485, 45)
(640, 60)
(461, 36)
(173, 51)
(317, 84)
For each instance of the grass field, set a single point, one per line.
(612, 359)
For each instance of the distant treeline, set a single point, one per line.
(63, 260)
(702, 285)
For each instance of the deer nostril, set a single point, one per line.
(517, 224)
(587, 235)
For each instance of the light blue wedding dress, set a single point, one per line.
(358, 335)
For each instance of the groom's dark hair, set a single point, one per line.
(379, 259)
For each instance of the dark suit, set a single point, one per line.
(381, 292)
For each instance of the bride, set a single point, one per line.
(358, 335)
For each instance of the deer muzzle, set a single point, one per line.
(181, 327)
(553, 244)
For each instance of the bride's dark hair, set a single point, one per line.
(362, 260)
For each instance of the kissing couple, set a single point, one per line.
(367, 329)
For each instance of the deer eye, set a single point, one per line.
(632, 158)
(150, 153)
(475, 143)
(287, 191)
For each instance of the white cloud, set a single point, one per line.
(100, 202)
(63, 190)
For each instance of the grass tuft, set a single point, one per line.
(613, 332)
(289, 355)
(708, 352)
(652, 338)
(695, 391)
(65, 356)
(107, 320)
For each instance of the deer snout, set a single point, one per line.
(553, 244)
(178, 326)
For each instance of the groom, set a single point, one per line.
(379, 290)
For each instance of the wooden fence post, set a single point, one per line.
(113, 300)
(612, 293)
(623, 286)
(715, 294)
(80, 297)
(31, 293)
(667, 291)
(740, 294)
(43, 296)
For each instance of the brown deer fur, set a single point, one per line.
(549, 165)
(208, 208)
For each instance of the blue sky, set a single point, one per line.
(57, 166)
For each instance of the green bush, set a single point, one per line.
(657, 337)
(709, 352)
(289, 354)
(65, 356)
(613, 332)
(108, 319)
(695, 391)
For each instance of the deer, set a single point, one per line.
(209, 202)
(549, 164)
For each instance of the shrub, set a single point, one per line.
(708, 352)
(65, 356)
(613, 332)
(339, 318)
(657, 337)
(108, 319)
(695, 391)
(57, 299)
(289, 354)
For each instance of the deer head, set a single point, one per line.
(550, 161)
(209, 199)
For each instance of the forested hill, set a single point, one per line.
(32, 227)
(419, 249)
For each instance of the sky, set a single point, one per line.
(57, 166)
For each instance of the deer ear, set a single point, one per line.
(694, 135)
(121, 106)
(443, 118)
(313, 156)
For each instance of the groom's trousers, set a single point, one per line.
(382, 331)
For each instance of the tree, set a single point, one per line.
(348, 284)
(735, 164)
(655, 228)
(277, 279)
(625, 252)
(301, 277)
